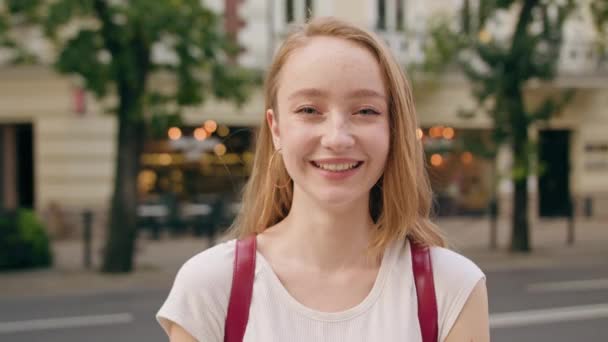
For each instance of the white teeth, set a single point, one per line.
(336, 167)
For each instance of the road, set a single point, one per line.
(557, 304)
(550, 304)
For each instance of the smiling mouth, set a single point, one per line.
(338, 167)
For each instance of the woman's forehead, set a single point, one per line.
(329, 64)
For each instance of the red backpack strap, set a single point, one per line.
(425, 288)
(242, 288)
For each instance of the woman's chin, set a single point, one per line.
(339, 199)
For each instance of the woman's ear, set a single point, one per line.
(273, 124)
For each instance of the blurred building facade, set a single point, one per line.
(71, 146)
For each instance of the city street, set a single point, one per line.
(135, 135)
(573, 300)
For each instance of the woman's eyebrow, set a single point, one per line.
(315, 92)
(307, 92)
(364, 92)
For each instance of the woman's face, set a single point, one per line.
(331, 120)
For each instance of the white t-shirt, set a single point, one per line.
(199, 298)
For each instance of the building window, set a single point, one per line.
(289, 14)
(292, 15)
(399, 14)
(309, 9)
(381, 25)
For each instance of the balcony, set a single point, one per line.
(407, 48)
(582, 65)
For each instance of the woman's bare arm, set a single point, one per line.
(473, 323)
(178, 334)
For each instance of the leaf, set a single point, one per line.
(503, 3)
(28, 8)
(81, 56)
(61, 12)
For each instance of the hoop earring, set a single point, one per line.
(270, 167)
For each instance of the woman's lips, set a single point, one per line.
(339, 170)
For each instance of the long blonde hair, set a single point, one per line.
(400, 203)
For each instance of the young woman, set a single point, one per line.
(337, 195)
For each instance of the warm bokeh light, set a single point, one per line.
(248, 157)
(436, 159)
(220, 149)
(210, 126)
(230, 159)
(200, 134)
(223, 131)
(174, 133)
(165, 158)
(419, 133)
(448, 133)
(146, 180)
(436, 131)
(466, 158)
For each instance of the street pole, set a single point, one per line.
(570, 238)
(493, 223)
(87, 217)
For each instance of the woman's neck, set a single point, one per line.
(327, 238)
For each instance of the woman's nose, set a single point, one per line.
(337, 134)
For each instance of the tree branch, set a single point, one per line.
(107, 27)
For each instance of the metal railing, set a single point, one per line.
(577, 58)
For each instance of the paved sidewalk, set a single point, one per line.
(471, 237)
(158, 261)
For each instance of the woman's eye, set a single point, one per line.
(368, 111)
(307, 110)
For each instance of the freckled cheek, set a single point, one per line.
(378, 150)
(377, 141)
(297, 145)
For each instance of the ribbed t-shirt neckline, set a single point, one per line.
(387, 263)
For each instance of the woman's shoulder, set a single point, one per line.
(452, 271)
(198, 300)
(449, 265)
(212, 266)
(455, 278)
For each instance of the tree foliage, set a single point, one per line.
(108, 43)
(114, 47)
(599, 8)
(500, 66)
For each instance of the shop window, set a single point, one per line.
(461, 177)
(191, 161)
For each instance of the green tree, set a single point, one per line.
(599, 8)
(499, 68)
(531, 53)
(109, 44)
